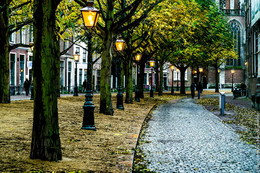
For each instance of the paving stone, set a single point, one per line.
(185, 137)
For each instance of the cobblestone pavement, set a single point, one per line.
(184, 137)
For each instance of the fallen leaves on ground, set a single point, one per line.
(109, 149)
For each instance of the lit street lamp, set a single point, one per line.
(172, 90)
(152, 63)
(137, 94)
(120, 45)
(177, 70)
(76, 59)
(232, 73)
(90, 17)
(200, 70)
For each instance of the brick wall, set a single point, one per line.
(238, 76)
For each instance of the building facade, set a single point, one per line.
(234, 10)
(252, 22)
(21, 63)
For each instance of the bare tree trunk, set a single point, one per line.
(4, 54)
(45, 136)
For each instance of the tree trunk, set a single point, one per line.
(156, 69)
(160, 91)
(217, 80)
(45, 136)
(182, 70)
(4, 54)
(140, 78)
(105, 84)
(129, 80)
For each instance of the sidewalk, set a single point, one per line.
(24, 97)
(185, 137)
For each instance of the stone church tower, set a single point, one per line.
(235, 13)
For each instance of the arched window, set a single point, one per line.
(236, 32)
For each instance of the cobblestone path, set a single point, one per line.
(185, 137)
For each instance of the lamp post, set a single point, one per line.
(120, 44)
(152, 63)
(200, 70)
(172, 90)
(90, 17)
(177, 70)
(232, 73)
(32, 92)
(76, 59)
(21, 83)
(137, 95)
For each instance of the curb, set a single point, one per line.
(148, 112)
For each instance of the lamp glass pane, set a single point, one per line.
(151, 63)
(89, 18)
(119, 46)
(138, 57)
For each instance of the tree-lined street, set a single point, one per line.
(124, 46)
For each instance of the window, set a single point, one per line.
(12, 38)
(12, 70)
(85, 74)
(31, 34)
(66, 45)
(223, 4)
(61, 73)
(80, 76)
(22, 36)
(22, 68)
(256, 50)
(84, 56)
(236, 32)
(179, 75)
(69, 66)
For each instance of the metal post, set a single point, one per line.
(119, 104)
(88, 118)
(172, 91)
(151, 91)
(137, 95)
(232, 83)
(177, 81)
(32, 92)
(76, 85)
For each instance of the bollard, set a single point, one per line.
(222, 100)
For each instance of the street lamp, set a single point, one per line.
(200, 76)
(152, 63)
(120, 45)
(76, 59)
(232, 73)
(90, 17)
(172, 90)
(137, 94)
(177, 70)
